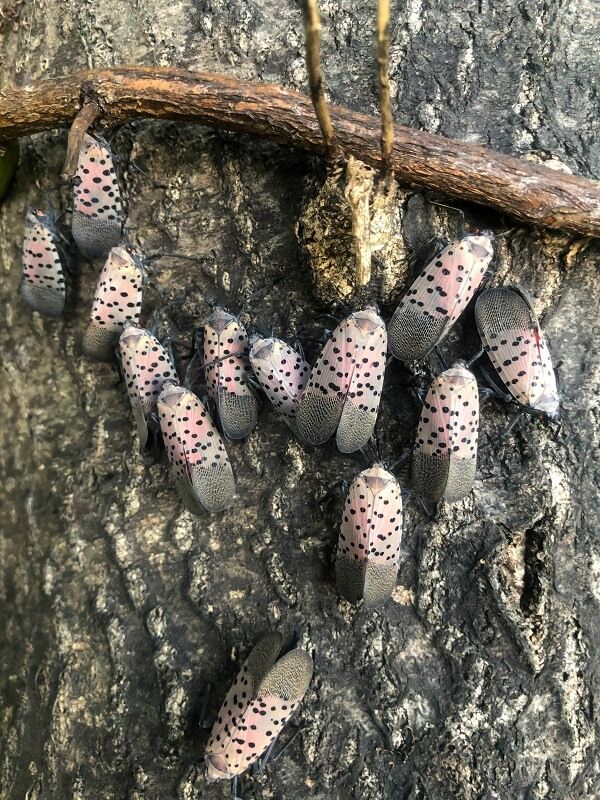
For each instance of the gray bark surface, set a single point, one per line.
(117, 607)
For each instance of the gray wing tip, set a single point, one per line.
(95, 237)
(48, 302)
(380, 582)
(214, 488)
(349, 578)
(355, 429)
(263, 655)
(412, 336)
(290, 677)
(99, 343)
(317, 418)
(238, 417)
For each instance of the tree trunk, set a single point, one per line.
(118, 608)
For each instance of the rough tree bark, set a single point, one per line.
(478, 679)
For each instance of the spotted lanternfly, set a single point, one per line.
(118, 300)
(366, 563)
(438, 297)
(265, 694)
(445, 453)
(282, 374)
(345, 384)
(43, 285)
(516, 346)
(227, 370)
(198, 461)
(97, 222)
(146, 366)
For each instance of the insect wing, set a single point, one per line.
(370, 534)
(282, 374)
(146, 366)
(338, 368)
(43, 285)
(118, 300)
(438, 297)
(445, 454)
(97, 222)
(516, 346)
(359, 415)
(255, 711)
(226, 369)
(199, 462)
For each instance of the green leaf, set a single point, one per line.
(9, 158)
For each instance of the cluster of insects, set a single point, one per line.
(338, 396)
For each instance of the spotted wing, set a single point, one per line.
(369, 540)
(97, 221)
(227, 369)
(199, 462)
(243, 691)
(246, 728)
(445, 453)
(43, 285)
(118, 300)
(438, 297)
(330, 380)
(146, 366)
(516, 347)
(282, 374)
(359, 415)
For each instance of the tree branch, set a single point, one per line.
(528, 191)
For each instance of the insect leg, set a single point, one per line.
(505, 430)
(284, 748)
(440, 355)
(475, 358)
(204, 720)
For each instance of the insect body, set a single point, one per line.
(118, 300)
(227, 369)
(369, 543)
(264, 695)
(445, 453)
(43, 284)
(438, 297)
(146, 366)
(282, 374)
(197, 457)
(344, 388)
(97, 222)
(516, 346)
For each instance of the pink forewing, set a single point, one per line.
(227, 367)
(281, 372)
(43, 286)
(438, 297)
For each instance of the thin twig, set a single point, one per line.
(522, 189)
(383, 60)
(312, 32)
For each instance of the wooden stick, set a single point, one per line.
(525, 190)
(89, 113)
(312, 35)
(383, 58)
